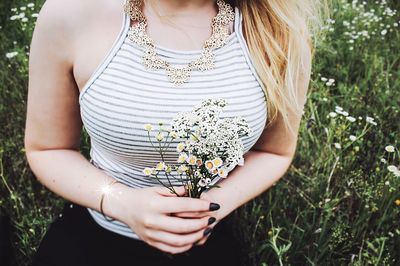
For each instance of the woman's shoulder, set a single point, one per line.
(62, 22)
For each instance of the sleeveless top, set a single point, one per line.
(121, 96)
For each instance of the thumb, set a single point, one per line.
(180, 190)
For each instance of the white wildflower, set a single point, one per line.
(392, 168)
(147, 171)
(337, 145)
(160, 136)
(191, 160)
(352, 137)
(180, 147)
(148, 127)
(351, 119)
(370, 120)
(182, 157)
(11, 54)
(389, 148)
(332, 114)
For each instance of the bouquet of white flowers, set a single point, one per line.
(209, 149)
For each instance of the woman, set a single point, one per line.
(88, 67)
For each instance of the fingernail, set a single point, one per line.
(211, 220)
(207, 231)
(214, 206)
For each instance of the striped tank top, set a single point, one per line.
(121, 96)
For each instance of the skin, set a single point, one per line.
(69, 42)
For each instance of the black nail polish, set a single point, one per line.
(207, 231)
(214, 206)
(211, 220)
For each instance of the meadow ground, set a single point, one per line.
(338, 204)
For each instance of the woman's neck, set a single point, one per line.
(178, 8)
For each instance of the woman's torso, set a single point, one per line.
(120, 96)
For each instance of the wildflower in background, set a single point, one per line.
(351, 119)
(370, 120)
(392, 168)
(389, 148)
(397, 202)
(337, 145)
(332, 114)
(352, 137)
(11, 54)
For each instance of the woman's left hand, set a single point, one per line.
(215, 214)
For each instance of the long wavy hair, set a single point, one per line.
(277, 32)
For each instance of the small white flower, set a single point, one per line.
(392, 168)
(148, 127)
(173, 134)
(202, 182)
(383, 160)
(222, 172)
(332, 114)
(352, 137)
(180, 147)
(370, 120)
(160, 166)
(147, 171)
(182, 168)
(217, 162)
(351, 119)
(159, 136)
(389, 148)
(338, 108)
(209, 165)
(337, 145)
(11, 54)
(191, 160)
(383, 32)
(182, 157)
(30, 5)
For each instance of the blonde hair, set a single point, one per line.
(277, 32)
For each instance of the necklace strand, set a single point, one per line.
(152, 60)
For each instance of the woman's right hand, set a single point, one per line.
(147, 212)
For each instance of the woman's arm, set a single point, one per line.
(265, 163)
(52, 138)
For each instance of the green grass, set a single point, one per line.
(335, 206)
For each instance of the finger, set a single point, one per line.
(176, 224)
(180, 190)
(202, 241)
(175, 240)
(167, 248)
(192, 214)
(184, 204)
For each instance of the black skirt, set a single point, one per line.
(75, 239)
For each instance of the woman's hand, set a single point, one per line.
(216, 214)
(149, 212)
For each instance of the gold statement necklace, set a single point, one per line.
(151, 59)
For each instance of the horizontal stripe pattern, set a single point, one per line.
(121, 96)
